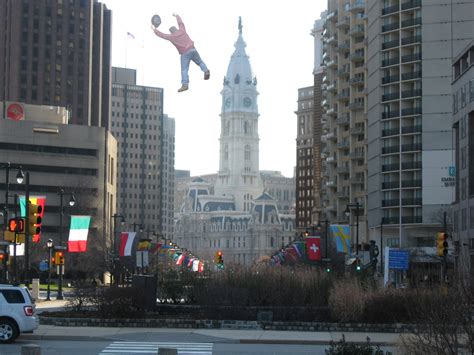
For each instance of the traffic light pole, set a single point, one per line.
(27, 230)
(5, 220)
(60, 278)
(14, 241)
(444, 262)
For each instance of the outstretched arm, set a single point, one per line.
(160, 34)
(180, 22)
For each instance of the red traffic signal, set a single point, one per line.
(16, 224)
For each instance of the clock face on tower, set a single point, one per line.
(247, 102)
(228, 101)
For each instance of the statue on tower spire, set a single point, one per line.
(240, 25)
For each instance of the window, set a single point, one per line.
(13, 296)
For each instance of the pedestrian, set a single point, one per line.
(185, 46)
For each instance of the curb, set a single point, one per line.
(62, 337)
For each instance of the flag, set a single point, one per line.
(154, 247)
(180, 260)
(126, 243)
(313, 248)
(343, 237)
(195, 265)
(144, 244)
(130, 35)
(299, 248)
(77, 242)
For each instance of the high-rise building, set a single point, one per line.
(463, 208)
(168, 178)
(137, 124)
(345, 104)
(309, 147)
(411, 46)
(57, 53)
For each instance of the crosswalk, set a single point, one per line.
(131, 347)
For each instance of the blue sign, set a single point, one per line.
(398, 259)
(43, 265)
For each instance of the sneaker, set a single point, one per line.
(207, 75)
(183, 87)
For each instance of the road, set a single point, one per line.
(49, 347)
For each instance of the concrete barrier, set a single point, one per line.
(30, 349)
(167, 351)
(35, 288)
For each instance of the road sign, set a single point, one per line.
(398, 259)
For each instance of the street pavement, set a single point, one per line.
(51, 332)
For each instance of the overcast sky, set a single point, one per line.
(281, 52)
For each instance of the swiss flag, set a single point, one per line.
(313, 248)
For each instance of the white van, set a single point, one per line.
(17, 312)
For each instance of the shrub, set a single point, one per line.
(347, 300)
(389, 306)
(344, 348)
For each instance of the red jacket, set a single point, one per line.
(180, 38)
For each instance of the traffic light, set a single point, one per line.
(16, 224)
(2, 256)
(52, 261)
(358, 264)
(219, 259)
(35, 213)
(442, 244)
(58, 258)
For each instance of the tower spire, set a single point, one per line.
(240, 25)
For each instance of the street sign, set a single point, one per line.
(60, 247)
(398, 259)
(43, 265)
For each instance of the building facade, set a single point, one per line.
(463, 123)
(168, 179)
(410, 49)
(57, 53)
(239, 218)
(345, 105)
(63, 156)
(138, 125)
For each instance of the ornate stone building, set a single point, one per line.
(240, 218)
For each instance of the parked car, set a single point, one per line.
(17, 312)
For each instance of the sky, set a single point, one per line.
(281, 52)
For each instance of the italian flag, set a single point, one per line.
(126, 243)
(78, 231)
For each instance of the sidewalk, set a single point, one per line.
(51, 332)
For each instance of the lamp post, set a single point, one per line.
(72, 202)
(114, 244)
(135, 225)
(357, 207)
(50, 246)
(19, 180)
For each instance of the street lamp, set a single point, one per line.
(19, 180)
(72, 202)
(114, 243)
(50, 246)
(140, 227)
(357, 207)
